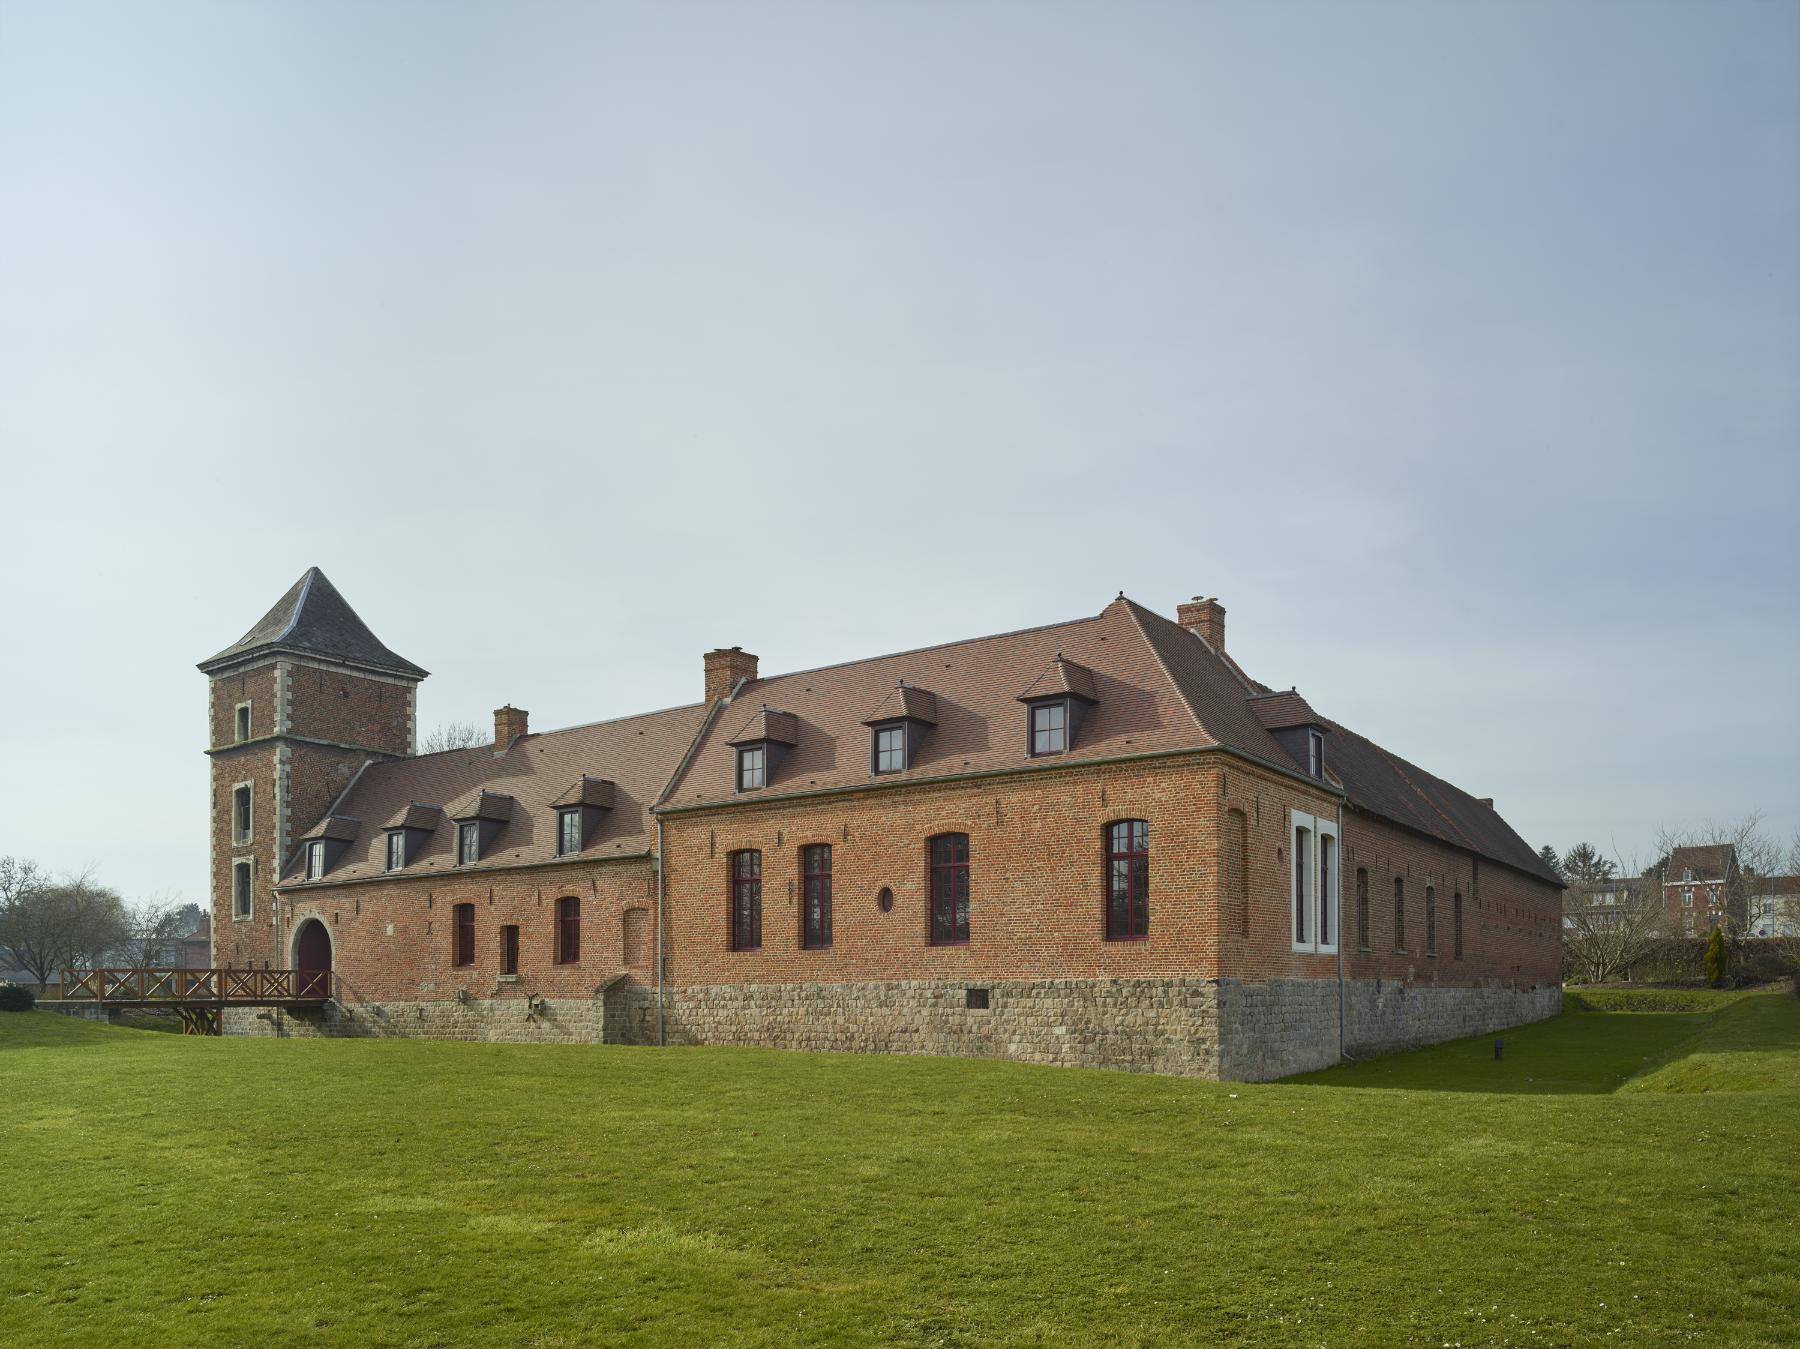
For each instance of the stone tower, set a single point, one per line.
(295, 707)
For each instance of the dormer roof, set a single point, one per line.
(1061, 678)
(414, 816)
(313, 619)
(587, 791)
(783, 728)
(481, 805)
(904, 702)
(340, 828)
(1283, 710)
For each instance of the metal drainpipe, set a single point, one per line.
(1339, 859)
(659, 932)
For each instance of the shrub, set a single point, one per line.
(16, 998)
(1716, 963)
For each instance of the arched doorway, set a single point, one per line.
(312, 958)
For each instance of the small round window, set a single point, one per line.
(885, 900)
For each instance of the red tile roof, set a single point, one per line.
(1060, 678)
(587, 791)
(339, 827)
(1278, 711)
(903, 700)
(638, 754)
(764, 724)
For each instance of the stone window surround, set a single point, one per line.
(242, 721)
(249, 832)
(247, 912)
(1320, 901)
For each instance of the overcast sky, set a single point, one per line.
(1453, 346)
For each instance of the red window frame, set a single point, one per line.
(947, 914)
(1127, 895)
(509, 949)
(815, 897)
(568, 931)
(462, 936)
(744, 916)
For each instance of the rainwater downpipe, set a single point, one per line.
(659, 932)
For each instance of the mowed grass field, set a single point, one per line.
(1618, 1177)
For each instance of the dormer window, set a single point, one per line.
(761, 745)
(898, 727)
(568, 832)
(1298, 729)
(396, 849)
(890, 748)
(753, 767)
(1055, 704)
(323, 845)
(579, 811)
(315, 861)
(1049, 728)
(479, 816)
(468, 843)
(1315, 753)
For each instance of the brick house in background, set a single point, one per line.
(1702, 888)
(1098, 842)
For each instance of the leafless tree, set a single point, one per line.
(74, 921)
(1749, 898)
(1609, 925)
(151, 931)
(454, 735)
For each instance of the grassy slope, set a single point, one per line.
(156, 1189)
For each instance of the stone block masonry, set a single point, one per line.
(483, 1020)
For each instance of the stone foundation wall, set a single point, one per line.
(1282, 1026)
(490, 1020)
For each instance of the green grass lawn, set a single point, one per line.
(1623, 1177)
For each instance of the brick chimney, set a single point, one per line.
(509, 724)
(724, 668)
(1205, 617)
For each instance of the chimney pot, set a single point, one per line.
(1205, 618)
(509, 724)
(726, 667)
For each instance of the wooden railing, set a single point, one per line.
(227, 987)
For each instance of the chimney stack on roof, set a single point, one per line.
(726, 668)
(509, 725)
(1205, 618)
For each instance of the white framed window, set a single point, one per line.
(468, 843)
(396, 857)
(242, 820)
(1314, 898)
(242, 873)
(315, 861)
(241, 722)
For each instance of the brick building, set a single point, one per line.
(1097, 842)
(1703, 888)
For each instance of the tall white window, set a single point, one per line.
(468, 844)
(1315, 883)
(315, 861)
(396, 860)
(568, 832)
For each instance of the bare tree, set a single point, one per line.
(151, 931)
(71, 922)
(1749, 898)
(1609, 925)
(20, 883)
(454, 735)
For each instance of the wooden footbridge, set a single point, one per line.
(198, 997)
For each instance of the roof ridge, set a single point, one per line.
(924, 650)
(299, 608)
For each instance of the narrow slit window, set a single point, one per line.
(1327, 889)
(462, 940)
(949, 866)
(1362, 908)
(509, 949)
(243, 722)
(568, 931)
(1127, 880)
(1430, 921)
(815, 903)
(1456, 926)
(240, 813)
(240, 889)
(1399, 914)
(746, 900)
(1302, 879)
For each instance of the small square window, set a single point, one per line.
(568, 832)
(890, 749)
(752, 772)
(468, 844)
(1049, 728)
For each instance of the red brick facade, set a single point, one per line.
(1220, 815)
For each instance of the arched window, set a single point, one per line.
(1237, 866)
(1127, 880)
(1456, 925)
(1362, 908)
(949, 884)
(568, 931)
(1430, 921)
(746, 900)
(815, 901)
(1399, 914)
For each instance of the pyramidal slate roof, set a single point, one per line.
(313, 619)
